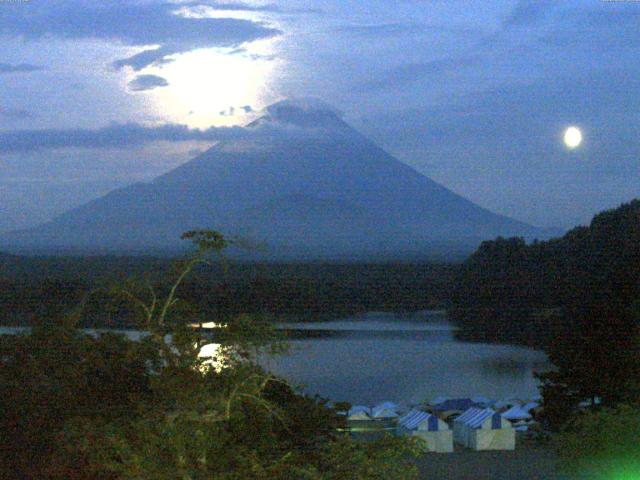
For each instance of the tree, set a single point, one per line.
(109, 407)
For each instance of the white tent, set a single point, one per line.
(484, 429)
(434, 432)
(516, 413)
(530, 406)
(459, 431)
(385, 410)
(359, 412)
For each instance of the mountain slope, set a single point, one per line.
(301, 181)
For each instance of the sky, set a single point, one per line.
(95, 95)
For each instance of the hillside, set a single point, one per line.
(509, 291)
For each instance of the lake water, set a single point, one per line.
(405, 358)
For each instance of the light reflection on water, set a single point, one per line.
(405, 358)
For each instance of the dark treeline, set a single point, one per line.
(509, 291)
(31, 287)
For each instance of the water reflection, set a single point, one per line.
(213, 357)
(408, 358)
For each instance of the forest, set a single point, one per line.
(31, 285)
(511, 291)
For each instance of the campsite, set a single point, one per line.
(478, 443)
(445, 424)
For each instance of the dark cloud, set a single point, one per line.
(113, 136)
(155, 56)
(413, 72)
(135, 24)
(231, 111)
(147, 82)
(19, 68)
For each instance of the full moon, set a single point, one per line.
(572, 137)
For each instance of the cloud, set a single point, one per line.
(147, 82)
(287, 118)
(154, 56)
(113, 136)
(231, 111)
(412, 72)
(247, 7)
(133, 24)
(6, 68)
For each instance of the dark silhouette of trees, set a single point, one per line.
(576, 296)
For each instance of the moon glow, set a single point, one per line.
(572, 137)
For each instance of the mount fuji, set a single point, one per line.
(300, 182)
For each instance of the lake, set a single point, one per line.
(407, 358)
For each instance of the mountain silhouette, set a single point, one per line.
(300, 182)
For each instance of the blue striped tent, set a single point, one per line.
(483, 429)
(434, 432)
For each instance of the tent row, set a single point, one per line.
(475, 428)
(520, 414)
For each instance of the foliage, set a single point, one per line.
(102, 406)
(510, 291)
(576, 296)
(604, 444)
(56, 374)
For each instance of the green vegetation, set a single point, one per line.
(603, 444)
(78, 406)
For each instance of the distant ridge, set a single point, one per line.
(301, 182)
